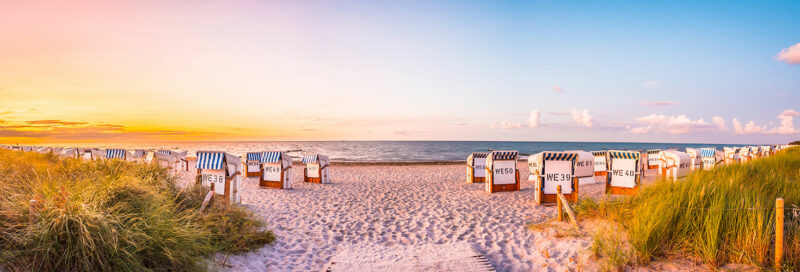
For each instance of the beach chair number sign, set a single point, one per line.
(272, 171)
(218, 179)
(558, 173)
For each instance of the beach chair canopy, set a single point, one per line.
(614, 154)
(253, 157)
(708, 152)
(500, 156)
(115, 153)
(214, 160)
(138, 153)
(536, 162)
(599, 153)
(476, 155)
(210, 159)
(276, 157)
(322, 160)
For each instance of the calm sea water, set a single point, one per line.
(394, 151)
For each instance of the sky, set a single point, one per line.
(147, 71)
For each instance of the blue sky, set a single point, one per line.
(674, 71)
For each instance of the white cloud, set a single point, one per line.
(558, 89)
(658, 103)
(786, 127)
(507, 125)
(720, 123)
(583, 118)
(652, 84)
(533, 121)
(790, 55)
(659, 123)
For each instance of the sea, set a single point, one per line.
(391, 151)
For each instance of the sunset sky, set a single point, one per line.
(658, 71)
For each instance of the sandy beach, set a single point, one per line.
(388, 205)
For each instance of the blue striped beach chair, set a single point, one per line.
(221, 170)
(276, 170)
(316, 170)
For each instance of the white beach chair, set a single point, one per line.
(550, 170)
(653, 158)
(221, 169)
(600, 162)
(252, 164)
(709, 157)
(583, 168)
(674, 164)
(137, 155)
(476, 167)
(501, 171)
(317, 167)
(276, 170)
(731, 155)
(624, 172)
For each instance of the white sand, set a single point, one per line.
(372, 206)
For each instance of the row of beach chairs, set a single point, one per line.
(224, 170)
(549, 170)
(623, 169)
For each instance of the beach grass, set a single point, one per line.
(111, 216)
(725, 215)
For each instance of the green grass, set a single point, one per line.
(725, 215)
(111, 216)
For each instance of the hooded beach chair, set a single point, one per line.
(120, 154)
(600, 163)
(476, 167)
(766, 151)
(137, 155)
(695, 158)
(182, 164)
(276, 170)
(624, 172)
(252, 164)
(551, 169)
(710, 158)
(222, 170)
(316, 168)
(653, 158)
(583, 168)
(731, 155)
(501, 171)
(674, 164)
(69, 153)
(744, 154)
